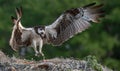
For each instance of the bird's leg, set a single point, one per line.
(40, 49)
(35, 48)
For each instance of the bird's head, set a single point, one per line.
(40, 30)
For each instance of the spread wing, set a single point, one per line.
(71, 22)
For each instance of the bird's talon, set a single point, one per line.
(37, 54)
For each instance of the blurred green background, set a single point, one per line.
(101, 40)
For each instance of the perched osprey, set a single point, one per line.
(70, 23)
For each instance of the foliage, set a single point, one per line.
(92, 62)
(101, 40)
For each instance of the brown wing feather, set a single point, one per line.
(74, 21)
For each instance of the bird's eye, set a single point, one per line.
(40, 28)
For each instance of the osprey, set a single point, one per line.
(70, 23)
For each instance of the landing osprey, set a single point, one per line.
(69, 23)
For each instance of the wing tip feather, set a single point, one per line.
(89, 5)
